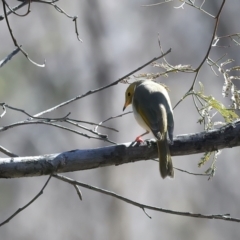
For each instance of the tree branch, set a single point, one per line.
(225, 217)
(29, 203)
(8, 58)
(226, 137)
(102, 88)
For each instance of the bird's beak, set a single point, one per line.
(125, 105)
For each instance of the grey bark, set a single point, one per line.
(75, 160)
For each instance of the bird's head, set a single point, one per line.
(129, 94)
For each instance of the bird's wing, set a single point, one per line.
(150, 107)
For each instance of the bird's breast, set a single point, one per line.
(139, 119)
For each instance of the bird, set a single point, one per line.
(153, 111)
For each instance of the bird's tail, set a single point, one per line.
(165, 160)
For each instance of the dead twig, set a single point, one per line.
(225, 217)
(29, 203)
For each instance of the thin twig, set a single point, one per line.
(8, 58)
(29, 203)
(229, 35)
(87, 129)
(181, 170)
(117, 116)
(105, 138)
(195, 174)
(144, 210)
(19, 15)
(197, 70)
(4, 112)
(92, 123)
(156, 4)
(213, 35)
(7, 152)
(76, 29)
(51, 123)
(15, 41)
(102, 88)
(31, 116)
(14, 9)
(225, 217)
(74, 18)
(198, 8)
(79, 193)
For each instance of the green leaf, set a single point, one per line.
(205, 158)
(227, 114)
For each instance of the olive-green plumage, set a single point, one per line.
(152, 110)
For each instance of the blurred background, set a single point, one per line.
(118, 37)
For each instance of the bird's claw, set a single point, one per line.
(139, 139)
(150, 142)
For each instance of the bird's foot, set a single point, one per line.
(139, 139)
(150, 142)
(137, 142)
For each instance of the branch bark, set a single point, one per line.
(226, 137)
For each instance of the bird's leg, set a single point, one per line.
(139, 138)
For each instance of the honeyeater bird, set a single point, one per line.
(153, 111)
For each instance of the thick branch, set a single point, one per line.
(75, 160)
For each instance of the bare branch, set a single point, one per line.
(87, 129)
(102, 88)
(45, 119)
(15, 41)
(156, 4)
(7, 152)
(4, 112)
(195, 174)
(5, 60)
(76, 160)
(14, 9)
(217, 17)
(19, 15)
(191, 3)
(190, 173)
(225, 217)
(29, 203)
(79, 193)
(76, 29)
(120, 115)
(146, 213)
(51, 123)
(197, 70)
(74, 18)
(4, 105)
(101, 136)
(92, 123)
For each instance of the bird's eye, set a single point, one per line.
(129, 94)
